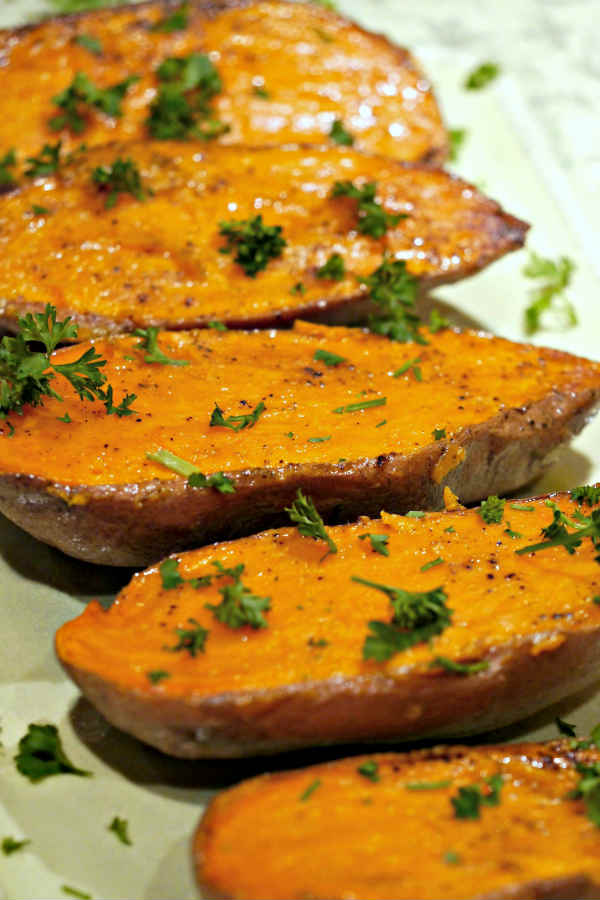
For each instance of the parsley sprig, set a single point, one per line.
(554, 278)
(26, 375)
(239, 605)
(372, 217)
(83, 92)
(195, 478)
(340, 135)
(41, 754)
(334, 269)
(149, 342)
(182, 105)
(558, 535)
(177, 21)
(468, 801)
(586, 494)
(394, 290)
(303, 513)
(253, 242)
(190, 639)
(236, 423)
(492, 510)
(588, 790)
(122, 177)
(46, 162)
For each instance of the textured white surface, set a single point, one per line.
(533, 145)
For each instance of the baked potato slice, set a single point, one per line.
(366, 830)
(398, 628)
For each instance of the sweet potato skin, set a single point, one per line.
(157, 261)
(505, 408)
(315, 65)
(302, 680)
(352, 837)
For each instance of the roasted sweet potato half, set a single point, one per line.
(357, 421)
(395, 628)
(156, 256)
(275, 72)
(513, 821)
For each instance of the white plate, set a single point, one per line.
(66, 818)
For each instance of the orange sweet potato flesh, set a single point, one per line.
(88, 487)
(302, 680)
(355, 838)
(158, 262)
(315, 65)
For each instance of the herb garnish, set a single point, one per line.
(452, 858)
(437, 322)
(558, 536)
(408, 366)
(122, 177)
(10, 845)
(334, 269)
(341, 135)
(75, 892)
(457, 138)
(41, 754)
(418, 616)
(372, 217)
(194, 476)
(181, 108)
(239, 605)
(254, 243)
(330, 359)
(586, 494)
(303, 513)
(565, 727)
(458, 668)
(190, 639)
(177, 21)
(89, 43)
(481, 76)
(319, 440)
(394, 291)
(310, 790)
(427, 785)
(549, 296)
(157, 675)
(236, 423)
(492, 510)
(260, 92)
(8, 161)
(83, 92)
(169, 573)
(438, 433)
(588, 789)
(298, 288)
(361, 404)
(39, 210)
(370, 770)
(46, 162)
(469, 800)
(379, 542)
(149, 342)
(522, 507)
(432, 563)
(119, 827)
(515, 535)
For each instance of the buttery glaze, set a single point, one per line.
(157, 262)
(355, 838)
(315, 65)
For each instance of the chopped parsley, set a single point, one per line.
(318, 643)
(46, 162)
(370, 770)
(437, 322)
(26, 375)
(415, 514)
(41, 754)
(236, 423)
(586, 494)
(588, 790)
(66, 419)
(558, 536)
(361, 404)
(303, 513)
(261, 92)
(522, 507)
(169, 573)
(177, 21)
(39, 210)
(239, 605)
(195, 478)
(217, 326)
(482, 76)
(122, 177)
(469, 800)
(550, 296)
(8, 161)
(75, 892)
(341, 135)
(412, 364)
(457, 137)
(319, 440)
(492, 510)
(149, 342)
(254, 243)
(181, 108)
(120, 827)
(383, 422)
(157, 675)
(330, 359)
(438, 433)
(431, 564)
(427, 785)
(310, 790)
(457, 668)
(11, 845)
(334, 269)
(372, 217)
(418, 616)
(515, 535)
(298, 288)
(565, 727)
(394, 291)
(379, 542)
(83, 92)
(190, 639)
(451, 858)
(89, 43)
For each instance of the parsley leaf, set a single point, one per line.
(39, 210)
(407, 366)
(437, 322)
(482, 76)
(169, 573)
(372, 218)
(457, 138)
(457, 668)
(122, 177)
(379, 542)
(41, 754)
(565, 727)
(194, 476)
(394, 291)
(10, 845)
(120, 828)
(492, 510)
(586, 494)
(254, 243)
(83, 92)
(310, 524)
(558, 536)
(75, 892)
(157, 675)
(239, 605)
(340, 135)
(360, 404)
(334, 269)
(46, 163)
(8, 161)
(181, 108)
(588, 789)
(469, 800)
(190, 639)
(177, 21)
(370, 770)
(90, 43)
(310, 790)
(330, 359)
(432, 562)
(236, 423)
(438, 433)
(549, 296)
(149, 342)
(261, 92)
(427, 785)
(298, 288)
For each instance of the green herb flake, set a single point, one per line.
(181, 108)
(438, 433)
(195, 478)
(157, 675)
(522, 507)
(169, 573)
(362, 404)
(317, 643)
(40, 210)
(334, 269)
(432, 563)
(437, 322)
(515, 535)
(372, 217)
(236, 423)
(89, 43)
(415, 514)
(261, 92)
(330, 359)
(427, 785)
(122, 177)
(190, 639)
(379, 542)
(177, 21)
(298, 288)
(394, 290)
(457, 137)
(450, 530)
(11, 845)
(341, 135)
(412, 364)
(75, 892)
(586, 494)
(550, 296)
(81, 93)
(239, 606)
(46, 163)
(303, 513)
(558, 536)
(595, 736)
(370, 770)
(319, 440)
(253, 242)
(149, 342)
(492, 510)
(481, 76)
(8, 161)
(66, 419)
(565, 727)
(313, 786)
(120, 827)
(217, 326)
(451, 858)
(41, 754)
(456, 668)
(469, 800)
(588, 790)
